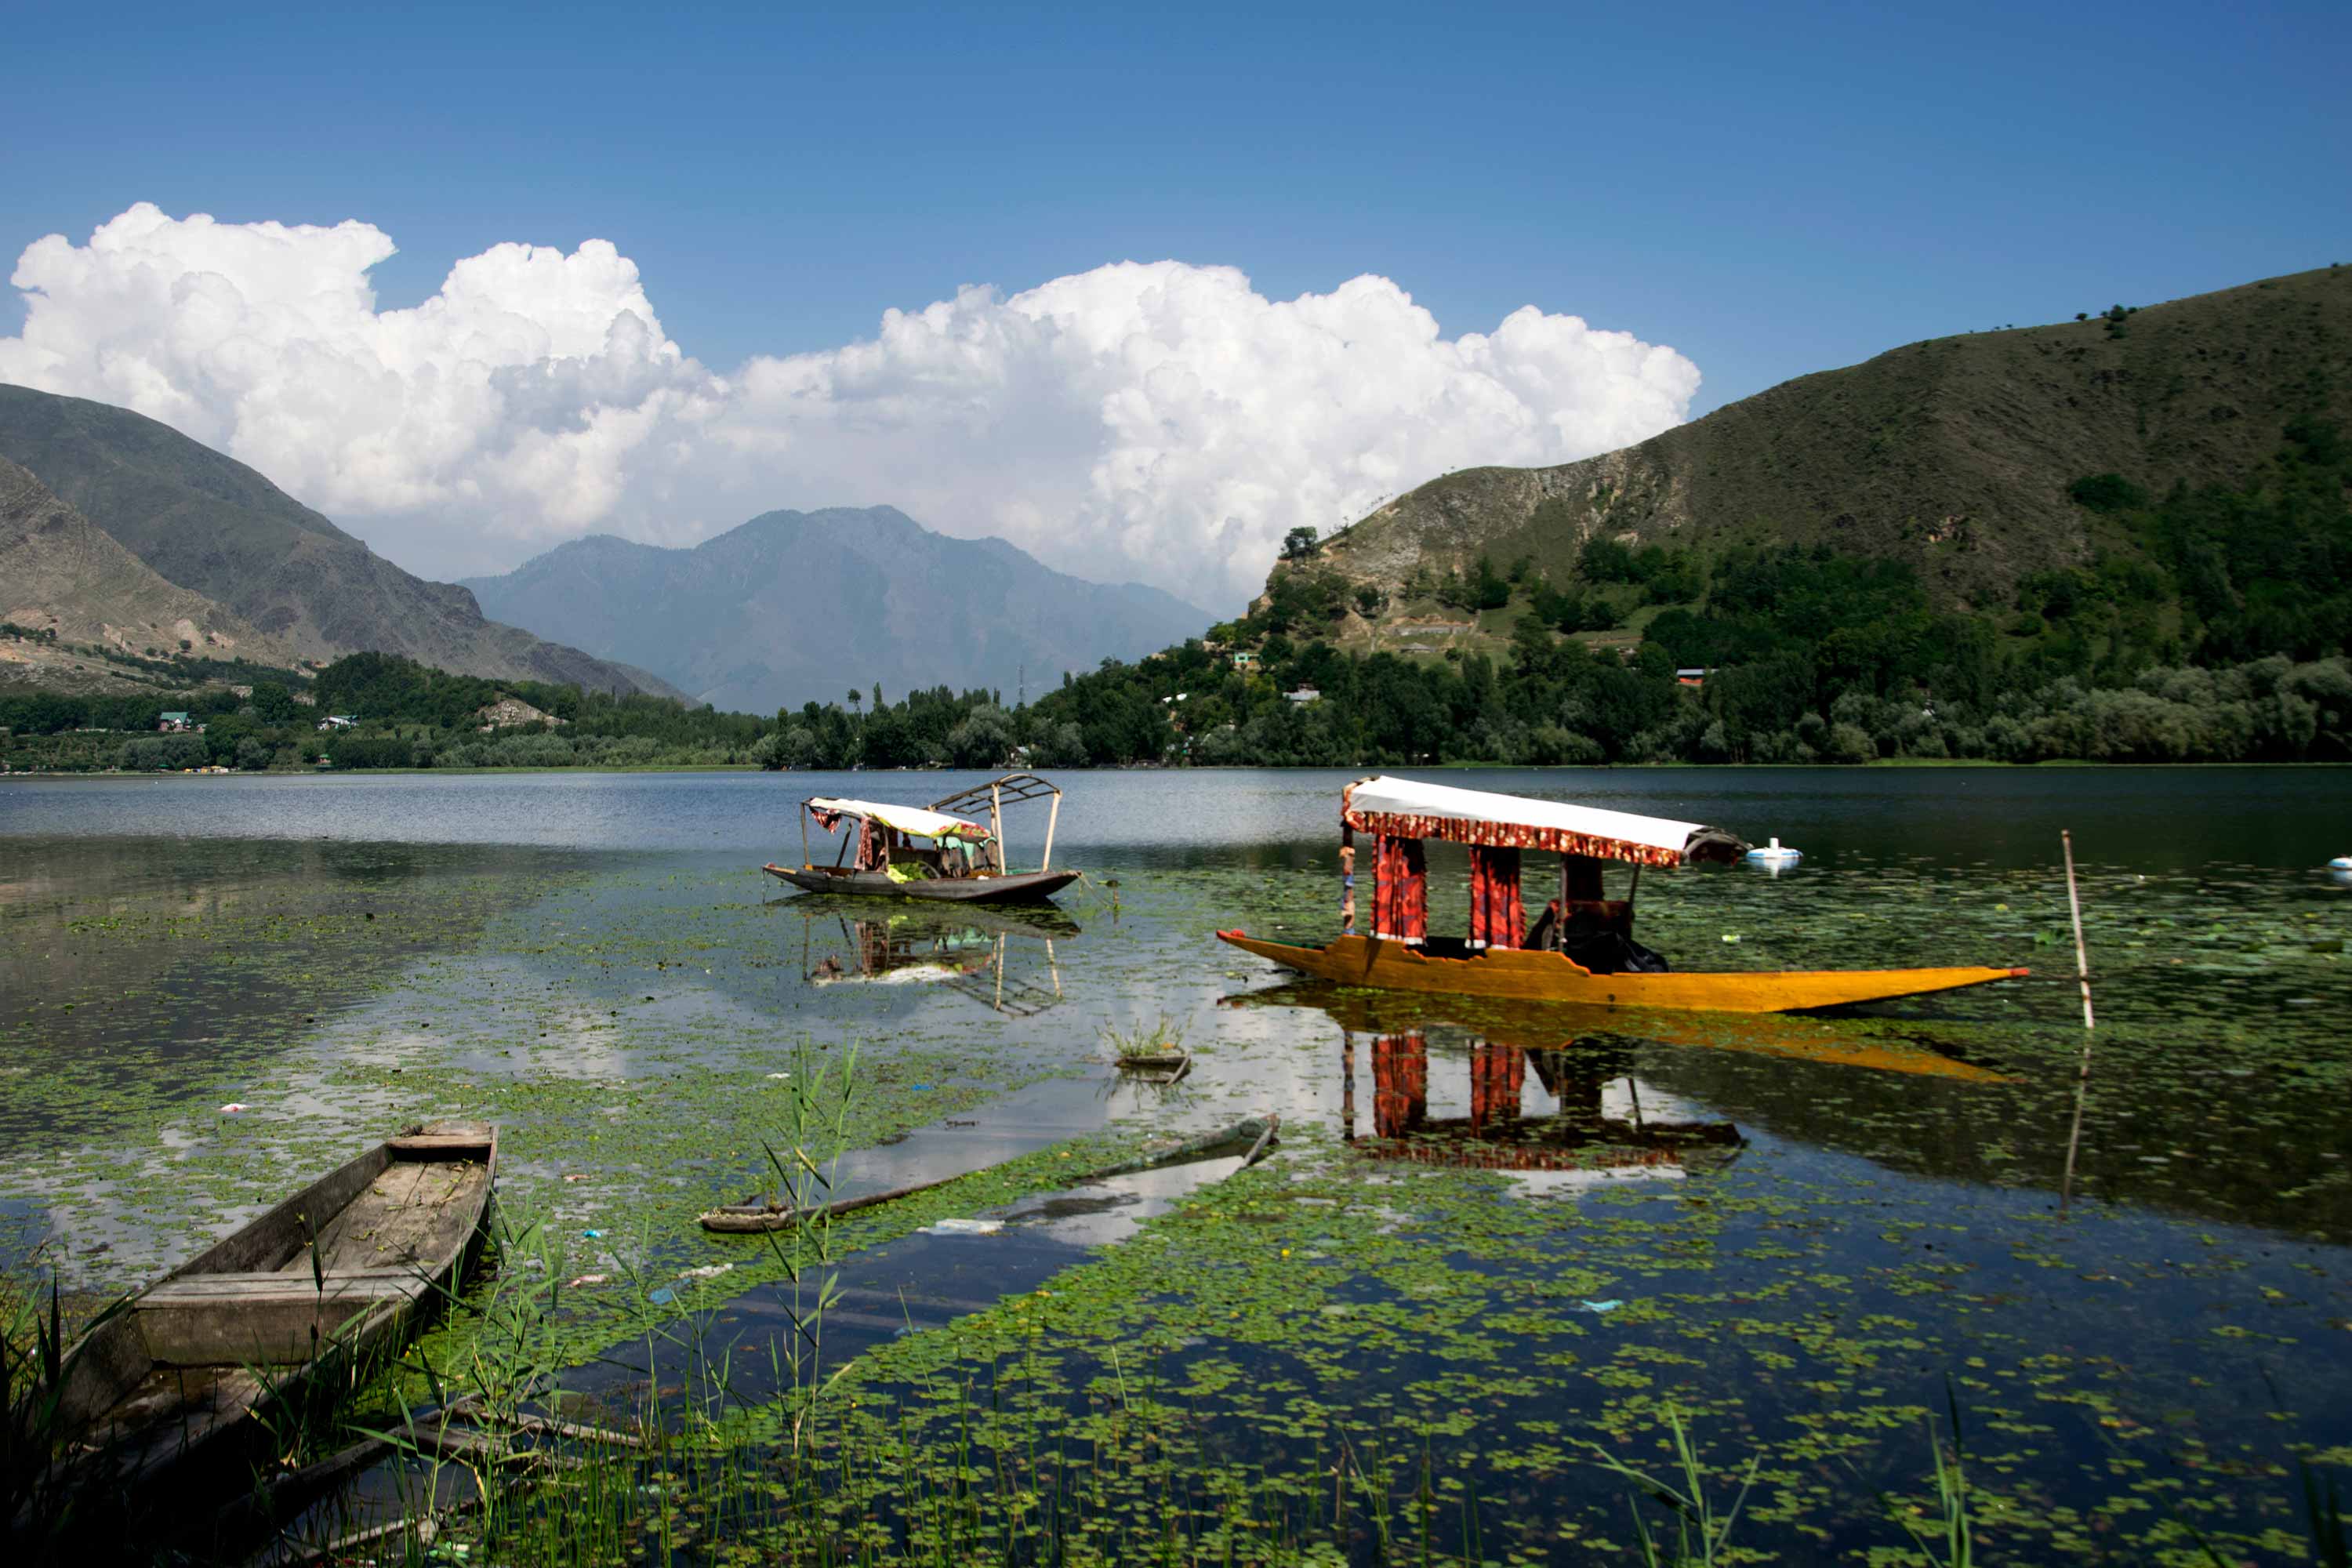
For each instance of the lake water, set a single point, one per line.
(1498, 1233)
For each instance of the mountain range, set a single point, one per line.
(1955, 454)
(797, 607)
(259, 561)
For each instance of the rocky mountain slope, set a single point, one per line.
(62, 577)
(1955, 454)
(209, 524)
(794, 606)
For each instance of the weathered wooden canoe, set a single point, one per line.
(341, 1268)
(987, 887)
(752, 1219)
(1537, 976)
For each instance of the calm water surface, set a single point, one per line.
(1805, 1226)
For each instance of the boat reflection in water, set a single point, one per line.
(1571, 1112)
(1467, 1082)
(1003, 959)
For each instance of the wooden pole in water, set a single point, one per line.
(2082, 973)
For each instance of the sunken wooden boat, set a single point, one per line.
(1580, 949)
(933, 853)
(343, 1269)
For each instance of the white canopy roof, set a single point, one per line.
(1410, 809)
(908, 819)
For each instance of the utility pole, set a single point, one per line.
(1024, 669)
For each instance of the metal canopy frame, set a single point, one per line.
(1009, 789)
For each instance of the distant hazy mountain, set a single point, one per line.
(209, 524)
(794, 607)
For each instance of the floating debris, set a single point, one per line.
(963, 1227)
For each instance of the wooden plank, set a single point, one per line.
(439, 1145)
(272, 1322)
(229, 1289)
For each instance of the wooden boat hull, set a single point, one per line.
(174, 1375)
(1543, 976)
(1013, 888)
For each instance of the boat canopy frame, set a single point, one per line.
(1407, 808)
(939, 819)
(1402, 813)
(1009, 789)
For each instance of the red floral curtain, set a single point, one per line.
(1496, 1075)
(1400, 890)
(1399, 1084)
(1498, 919)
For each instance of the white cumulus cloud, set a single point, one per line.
(1162, 421)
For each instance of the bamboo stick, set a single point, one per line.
(2082, 973)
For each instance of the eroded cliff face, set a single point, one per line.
(61, 574)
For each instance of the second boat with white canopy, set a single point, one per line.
(937, 852)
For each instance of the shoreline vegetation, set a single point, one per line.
(2210, 625)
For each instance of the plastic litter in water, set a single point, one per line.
(918, 1086)
(1602, 1306)
(776, 1075)
(964, 1227)
(663, 1297)
(1731, 936)
(592, 1235)
(575, 1283)
(233, 1107)
(707, 1271)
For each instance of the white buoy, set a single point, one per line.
(2341, 863)
(1775, 854)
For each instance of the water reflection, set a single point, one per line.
(1579, 1110)
(1003, 959)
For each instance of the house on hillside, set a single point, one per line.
(1245, 659)
(337, 722)
(1693, 677)
(508, 711)
(171, 723)
(1304, 694)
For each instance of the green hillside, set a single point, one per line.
(2124, 538)
(1955, 457)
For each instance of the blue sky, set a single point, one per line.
(1768, 191)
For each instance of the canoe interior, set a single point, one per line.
(245, 1319)
(993, 887)
(1547, 977)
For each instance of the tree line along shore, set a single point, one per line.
(2213, 627)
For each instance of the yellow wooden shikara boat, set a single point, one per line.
(1507, 957)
